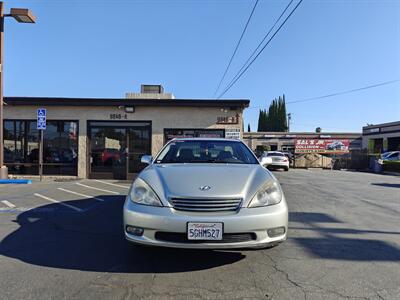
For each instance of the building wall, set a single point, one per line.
(161, 117)
(383, 131)
(383, 136)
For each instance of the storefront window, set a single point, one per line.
(60, 147)
(60, 152)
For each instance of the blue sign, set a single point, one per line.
(41, 119)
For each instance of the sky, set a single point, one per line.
(98, 48)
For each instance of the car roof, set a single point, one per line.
(206, 139)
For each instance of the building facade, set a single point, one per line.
(105, 138)
(381, 137)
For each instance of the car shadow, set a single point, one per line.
(93, 240)
(327, 243)
(393, 185)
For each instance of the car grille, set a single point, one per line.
(175, 237)
(205, 204)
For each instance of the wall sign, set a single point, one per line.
(232, 133)
(118, 116)
(321, 146)
(228, 120)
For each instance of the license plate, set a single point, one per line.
(204, 231)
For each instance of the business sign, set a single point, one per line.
(232, 133)
(228, 120)
(321, 146)
(41, 119)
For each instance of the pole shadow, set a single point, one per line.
(328, 245)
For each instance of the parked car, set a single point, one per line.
(205, 193)
(392, 155)
(289, 155)
(109, 156)
(279, 160)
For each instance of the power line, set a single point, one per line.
(262, 41)
(338, 93)
(236, 48)
(258, 54)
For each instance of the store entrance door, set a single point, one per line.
(115, 148)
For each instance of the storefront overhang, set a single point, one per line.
(56, 101)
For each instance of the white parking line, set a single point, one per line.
(113, 184)
(95, 188)
(56, 201)
(9, 204)
(81, 195)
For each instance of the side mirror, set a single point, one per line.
(265, 161)
(146, 159)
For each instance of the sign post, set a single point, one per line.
(41, 125)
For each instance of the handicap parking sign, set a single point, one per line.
(41, 119)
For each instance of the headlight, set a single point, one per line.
(142, 193)
(269, 194)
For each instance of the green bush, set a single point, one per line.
(263, 148)
(391, 165)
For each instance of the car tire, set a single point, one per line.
(286, 169)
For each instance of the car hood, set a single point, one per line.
(224, 180)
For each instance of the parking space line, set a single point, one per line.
(95, 188)
(56, 201)
(81, 195)
(9, 204)
(113, 184)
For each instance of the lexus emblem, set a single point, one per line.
(204, 188)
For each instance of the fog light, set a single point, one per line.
(134, 230)
(277, 231)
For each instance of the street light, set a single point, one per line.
(21, 15)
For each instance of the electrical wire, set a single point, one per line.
(262, 41)
(236, 48)
(258, 54)
(337, 93)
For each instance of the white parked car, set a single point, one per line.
(279, 160)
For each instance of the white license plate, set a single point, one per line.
(204, 231)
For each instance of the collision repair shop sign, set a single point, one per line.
(321, 146)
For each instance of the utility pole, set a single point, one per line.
(21, 15)
(289, 118)
(3, 168)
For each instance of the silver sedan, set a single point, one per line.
(205, 193)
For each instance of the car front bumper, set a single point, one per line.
(279, 164)
(168, 221)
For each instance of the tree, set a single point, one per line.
(248, 127)
(275, 118)
(318, 130)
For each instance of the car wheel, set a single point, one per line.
(286, 169)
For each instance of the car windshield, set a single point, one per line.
(386, 154)
(204, 151)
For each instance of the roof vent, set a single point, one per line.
(150, 91)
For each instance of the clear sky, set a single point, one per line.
(98, 48)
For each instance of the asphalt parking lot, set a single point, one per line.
(64, 240)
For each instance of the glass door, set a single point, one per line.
(108, 150)
(139, 141)
(115, 148)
